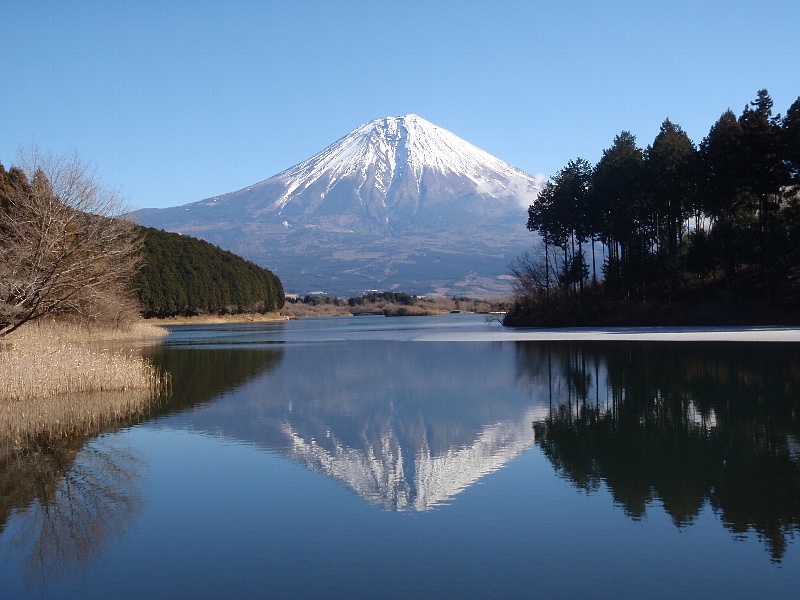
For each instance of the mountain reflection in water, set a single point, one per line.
(405, 425)
(687, 425)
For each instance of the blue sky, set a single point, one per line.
(174, 102)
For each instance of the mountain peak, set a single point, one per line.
(397, 203)
(387, 152)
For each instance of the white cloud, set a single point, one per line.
(523, 189)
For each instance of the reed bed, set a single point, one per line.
(65, 331)
(54, 388)
(34, 371)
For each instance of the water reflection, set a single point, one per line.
(687, 425)
(63, 496)
(404, 425)
(201, 375)
(59, 502)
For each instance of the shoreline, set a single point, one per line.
(216, 319)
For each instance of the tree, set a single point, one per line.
(64, 247)
(791, 141)
(765, 174)
(671, 171)
(617, 184)
(185, 275)
(722, 181)
(560, 215)
(530, 273)
(761, 143)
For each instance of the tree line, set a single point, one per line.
(182, 275)
(673, 223)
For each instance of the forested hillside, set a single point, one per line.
(674, 232)
(184, 276)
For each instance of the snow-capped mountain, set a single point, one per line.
(398, 203)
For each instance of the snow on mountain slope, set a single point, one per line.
(388, 160)
(401, 146)
(398, 203)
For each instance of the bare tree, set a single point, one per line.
(63, 246)
(532, 273)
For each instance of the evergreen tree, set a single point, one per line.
(765, 176)
(184, 275)
(560, 215)
(742, 189)
(723, 183)
(791, 142)
(617, 183)
(671, 163)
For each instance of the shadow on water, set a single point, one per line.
(62, 496)
(687, 425)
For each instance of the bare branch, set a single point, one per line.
(64, 247)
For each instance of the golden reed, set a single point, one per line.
(53, 388)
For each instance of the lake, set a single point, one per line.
(424, 457)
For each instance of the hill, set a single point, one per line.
(184, 276)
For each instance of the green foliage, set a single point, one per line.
(185, 276)
(671, 164)
(322, 300)
(791, 141)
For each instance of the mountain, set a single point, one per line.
(397, 204)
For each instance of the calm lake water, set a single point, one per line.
(349, 457)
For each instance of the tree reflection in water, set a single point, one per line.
(62, 497)
(688, 425)
(59, 501)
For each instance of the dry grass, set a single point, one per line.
(61, 331)
(212, 319)
(50, 387)
(34, 371)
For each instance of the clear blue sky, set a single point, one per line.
(174, 102)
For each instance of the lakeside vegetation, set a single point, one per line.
(74, 270)
(66, 262)
(55, 382)
(674, 233)
(64, 250)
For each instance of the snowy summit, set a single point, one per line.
(397, 203)
(389, 155)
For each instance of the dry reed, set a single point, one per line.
(33, 371)
(53, 388)
(65, 331)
